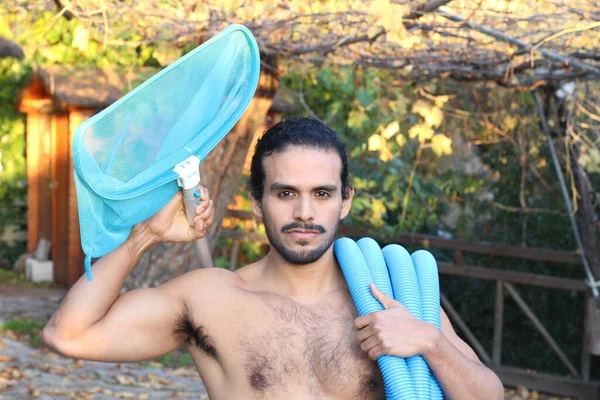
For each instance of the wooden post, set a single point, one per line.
(39, 197)
(498, 323)
(459, 258)
(60, 195)
(75, 253)
(33, 196)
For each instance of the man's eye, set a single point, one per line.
(322, 193)
(285, 193)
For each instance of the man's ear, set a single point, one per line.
(347, 202)
(256, 207)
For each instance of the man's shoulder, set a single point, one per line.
(250, 272)
(212, 281)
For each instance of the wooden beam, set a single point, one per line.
(430, 241)
(541, 328)
(547, 383)
(524, 278)
(460, 323)
(498, 323)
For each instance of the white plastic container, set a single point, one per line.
(39, 271)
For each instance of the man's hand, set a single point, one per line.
(393, 331)
(171, 224)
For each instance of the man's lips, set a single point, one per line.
(303, 233)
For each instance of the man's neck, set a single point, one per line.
(304, 283)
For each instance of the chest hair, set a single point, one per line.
(298, 346)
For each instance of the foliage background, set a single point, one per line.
(13, 185)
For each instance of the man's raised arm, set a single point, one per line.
(96, 322)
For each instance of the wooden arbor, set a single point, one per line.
(56, 102)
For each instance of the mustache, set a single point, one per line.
(305, 226)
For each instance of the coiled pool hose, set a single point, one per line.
(416, 287)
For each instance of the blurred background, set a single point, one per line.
(473, 129)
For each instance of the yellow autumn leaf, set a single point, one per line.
(376, 142)
(441, 100)
(401, 140)
(388, 15)
(391, 129)
(378, 209)
(379, 8)
(240, 13)
(422, 131)
(435, 117)
(421, 107)
(441, 144)
(385, 154)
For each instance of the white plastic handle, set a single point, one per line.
(189, 179)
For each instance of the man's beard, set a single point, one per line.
(299, 257)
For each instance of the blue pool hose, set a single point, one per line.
(414, 282)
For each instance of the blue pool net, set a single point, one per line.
(125, 154)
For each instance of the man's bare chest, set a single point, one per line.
(282, 346)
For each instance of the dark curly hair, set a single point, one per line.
(295, 131)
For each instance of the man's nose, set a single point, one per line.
(304, 210)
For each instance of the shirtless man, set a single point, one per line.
(284, 327)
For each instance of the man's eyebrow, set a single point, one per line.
(276, 186)
(327, 188)
(282, 186)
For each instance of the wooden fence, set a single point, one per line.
(577, 385)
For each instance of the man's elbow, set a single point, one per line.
(52, 337)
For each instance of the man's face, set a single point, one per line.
(302, 202)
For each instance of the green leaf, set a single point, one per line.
(364, 98)
(389, 182)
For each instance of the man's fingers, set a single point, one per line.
(204, 195)
(210, 219)
(200, 229)
(376, 352)
(365, 333)
(363, 321)
(369, 344)
(384, 299)
(205, 212)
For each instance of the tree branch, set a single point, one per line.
(501, 36)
